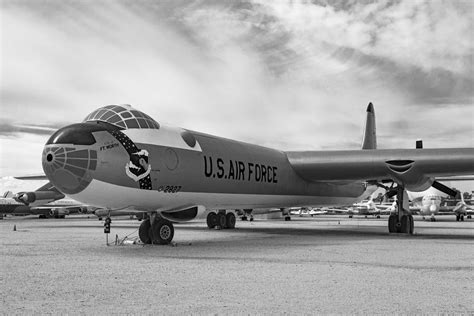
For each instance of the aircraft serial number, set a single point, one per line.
(239, 170)
(169, 188)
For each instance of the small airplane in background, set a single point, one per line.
(43, 195)
(55, 209)
(308, 211)
(435, 204)
(46, 202)
(367, 207)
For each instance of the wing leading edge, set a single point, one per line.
(414, 168)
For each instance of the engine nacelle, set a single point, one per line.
(38, 196)
(406, 172)
(56, 212)
(101, 212)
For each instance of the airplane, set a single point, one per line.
(120, 157)
(369, 207)
(432, 204)
(301, 211)
(43, 195)
(57, 209)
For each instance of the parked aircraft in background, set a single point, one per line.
(57, 209)
(308, 211)
(43, 195)
(436, 204)
(120, 157)
(370, 208)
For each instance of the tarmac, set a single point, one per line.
(320, 265)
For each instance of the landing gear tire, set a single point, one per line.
(162, 232)
(406, 224)
(462, 218)
(392, 223)
(230, 220)
(378, 216)
(221, 220)
(287, 218)
(212, 220)
(412, 225)
(458, 218)
(469, 216)
(144, 232)
(350, 216)
(244, 218)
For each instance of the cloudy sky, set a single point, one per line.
(290, 75)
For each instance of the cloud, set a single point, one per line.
(289, 75)
(8, 129)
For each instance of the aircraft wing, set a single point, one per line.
(415, 168)
(342, 210)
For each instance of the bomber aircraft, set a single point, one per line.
(120, 157)
(57, 209)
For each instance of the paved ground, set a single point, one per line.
(307, 266)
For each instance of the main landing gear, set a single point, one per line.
(285, 212)
(402, 221)
(221, 220)
(156, 230)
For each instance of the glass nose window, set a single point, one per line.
(123, 116)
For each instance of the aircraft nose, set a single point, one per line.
(69, 158)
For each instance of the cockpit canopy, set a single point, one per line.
(122, 116)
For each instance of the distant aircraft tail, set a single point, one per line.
(370, 137)
(8, 194)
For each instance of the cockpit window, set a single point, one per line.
(123, 116)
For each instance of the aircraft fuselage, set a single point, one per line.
(175, 168)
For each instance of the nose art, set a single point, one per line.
(68, 161)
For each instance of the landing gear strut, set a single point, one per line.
(156, 230)
(286, 214)
(402, 221)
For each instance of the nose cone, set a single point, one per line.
(69, 158)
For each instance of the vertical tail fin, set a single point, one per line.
(8, 194)
(370, 137)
